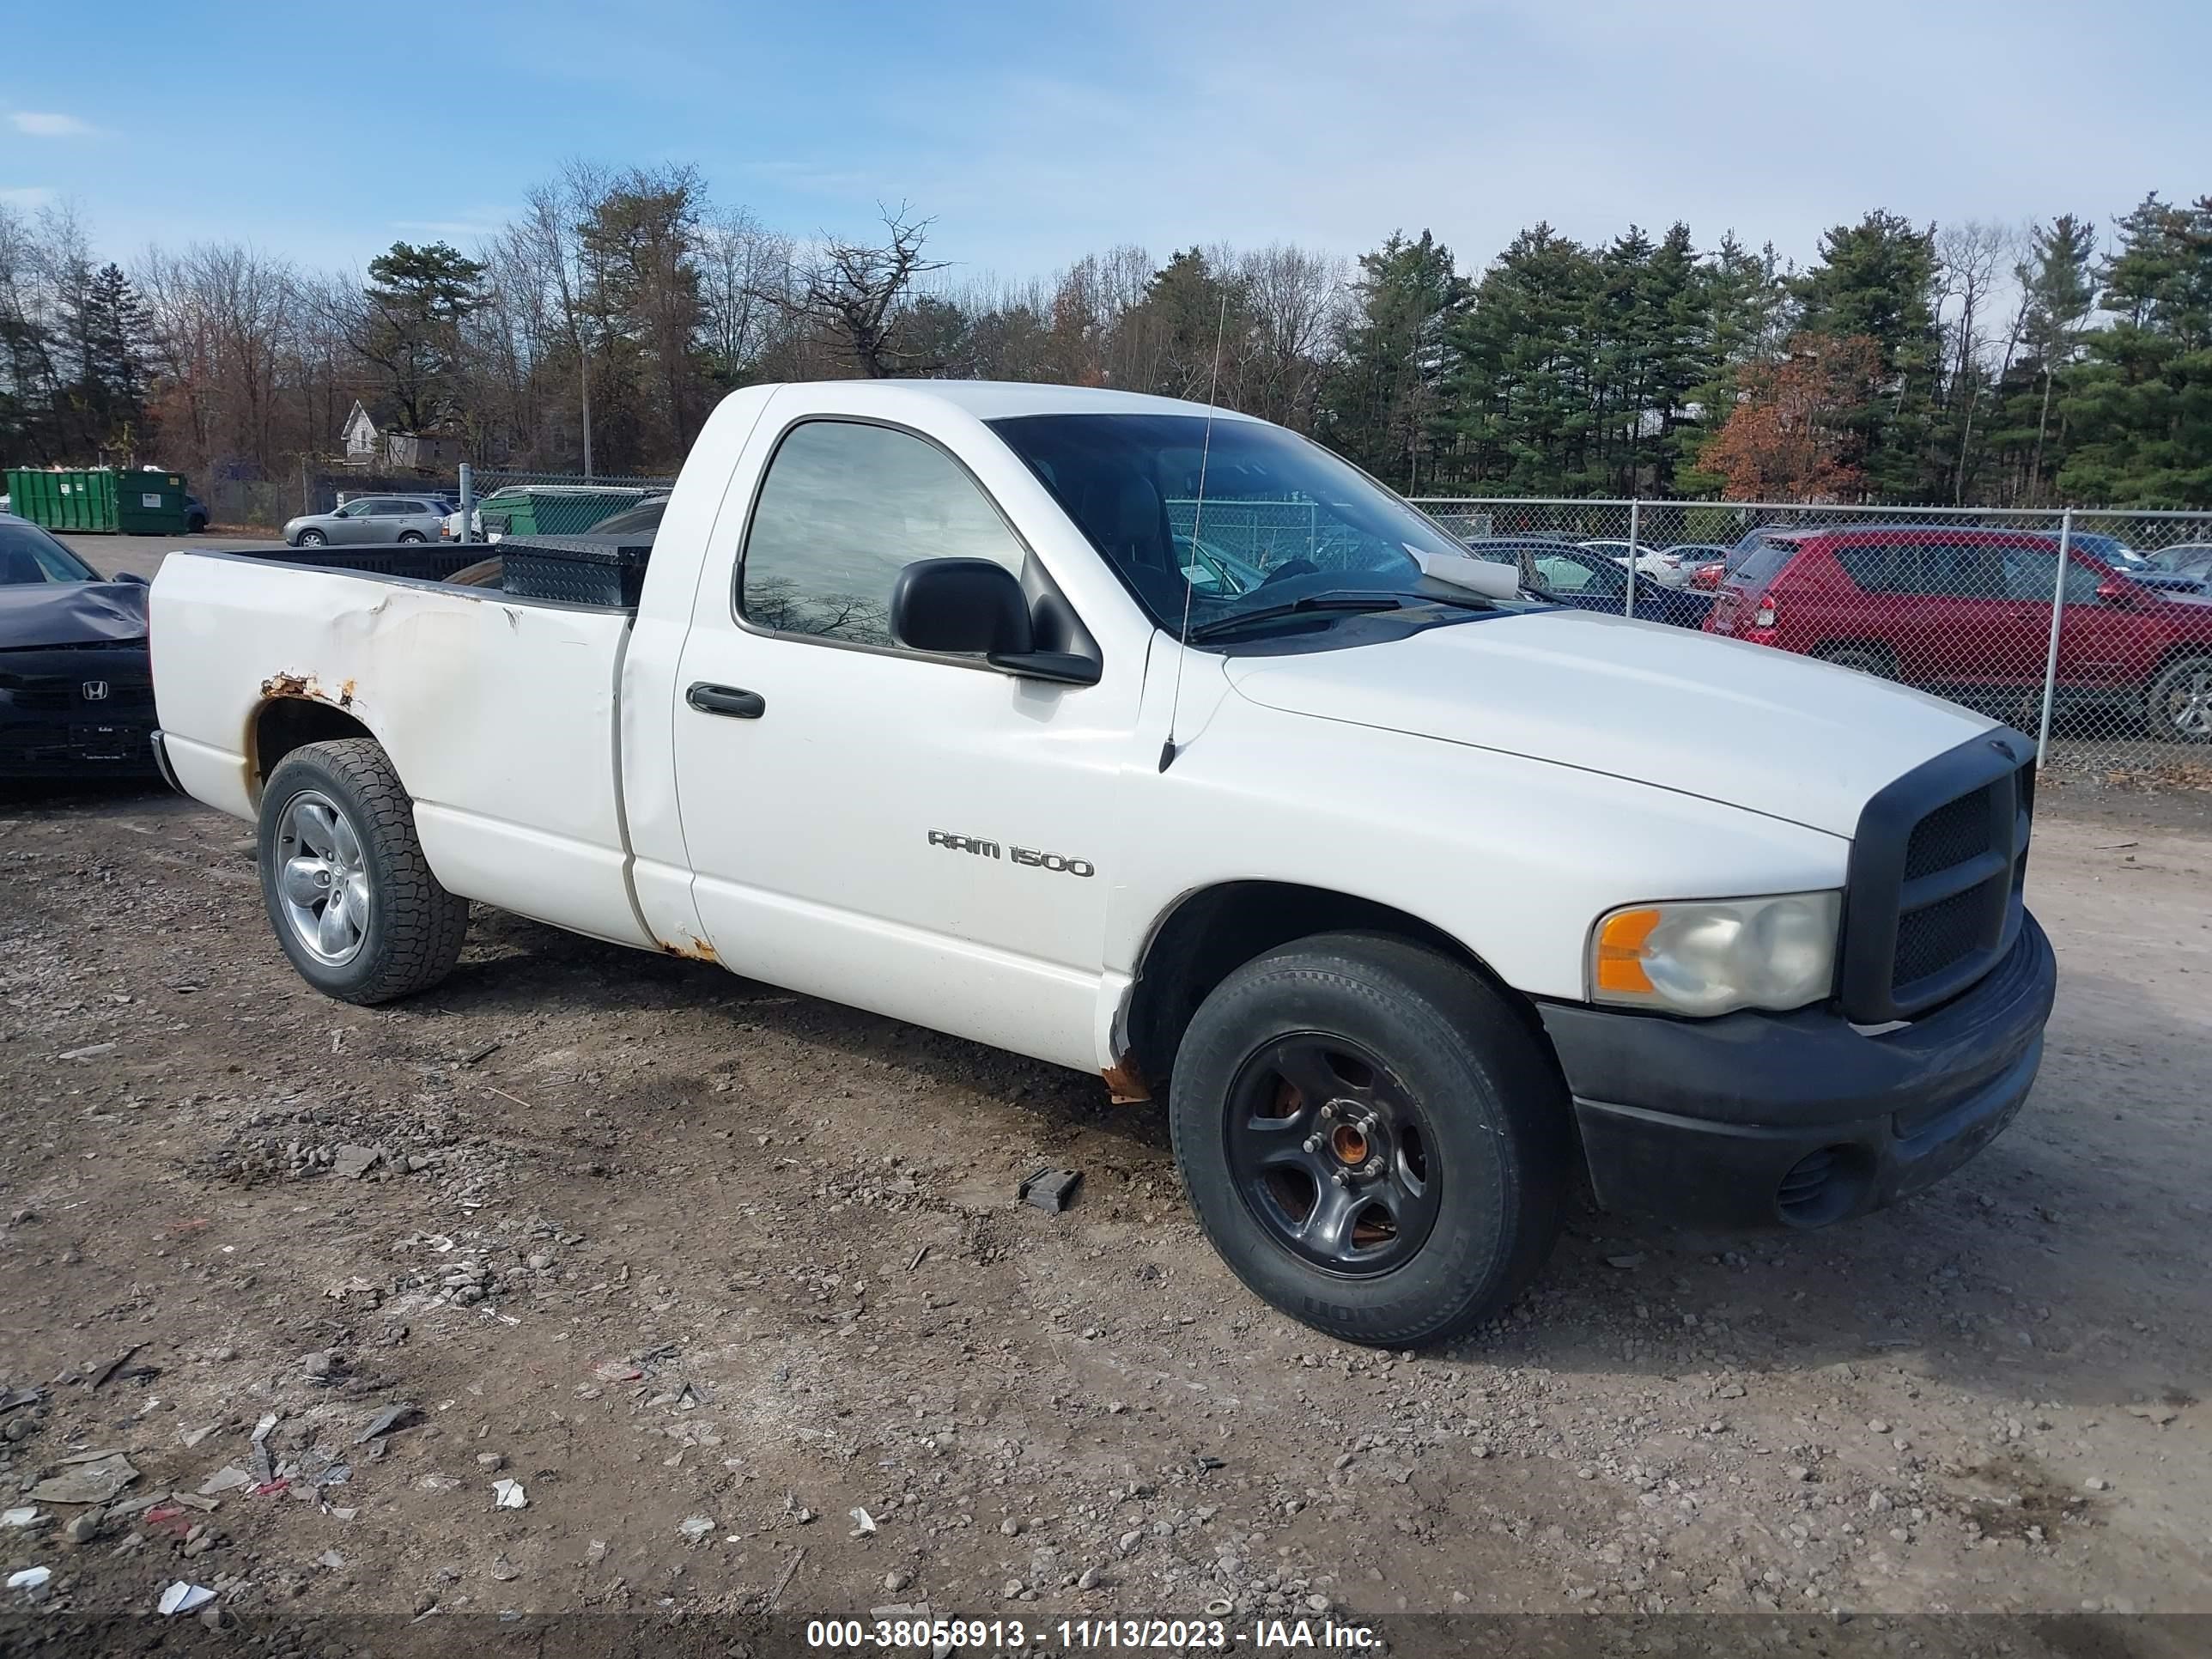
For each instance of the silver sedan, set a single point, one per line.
(370, 518)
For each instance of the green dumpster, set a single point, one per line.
(150, 503)
(100, 499)
(554, 509)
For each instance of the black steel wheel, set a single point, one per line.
(1374, 1140)
(1333, 1156)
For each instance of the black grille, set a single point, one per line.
(1936, 870)
(1930, 940)
(1949, 836)
(54, 693)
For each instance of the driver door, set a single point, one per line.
(919, 835)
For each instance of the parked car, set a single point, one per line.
(1712, 573)
(1591, 581)
(1429, 898)
(1652, 564)
(76, 695)
(1967, 613)
(196, 515)
(1691, 557)
(369, 519)
(2187, 561)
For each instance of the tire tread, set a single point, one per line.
(422, 926)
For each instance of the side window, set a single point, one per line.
(1967, 572)
(1560, 575)
(2028, 571)
(844, 508)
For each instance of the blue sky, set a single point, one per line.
(1036, 132)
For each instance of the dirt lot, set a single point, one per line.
(708, 1270)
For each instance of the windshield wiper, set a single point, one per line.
(1293, 607)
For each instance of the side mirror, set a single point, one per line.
(2113, 591)
(130, 576)
(973, 607)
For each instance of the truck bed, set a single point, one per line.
(502, 714)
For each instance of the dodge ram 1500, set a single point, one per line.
(1157, 741)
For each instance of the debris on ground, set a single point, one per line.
(93, 1482)
(1049, 1189)
(354, 1161)
(863, 1523)
(30, 1578)
(27, 1515)
(181, 1597)
(508, 1495)
(384, 1422)
(695, 1527)
(115, 1366)
(228, 1479)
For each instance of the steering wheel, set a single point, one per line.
(1288, 568)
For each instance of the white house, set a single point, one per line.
(369, 442)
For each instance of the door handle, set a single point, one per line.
(726, 700)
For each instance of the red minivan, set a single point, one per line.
(1967, 612)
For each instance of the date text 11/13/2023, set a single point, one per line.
(1267, 1635)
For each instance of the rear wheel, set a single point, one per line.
(1867, 659)
(411, 536)
(349, 892)
(1372, 1140)
(2179, 706)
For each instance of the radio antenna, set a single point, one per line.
(1197, 523)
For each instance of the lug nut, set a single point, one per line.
(1328, 1111)
(1342, 1178)
(1313, 1143)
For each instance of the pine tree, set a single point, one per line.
(1381, 398)
(2137, 408)
(1877, 279)
(114, 337)
(1521, 384)
(417, 300)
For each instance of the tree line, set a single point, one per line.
(1971, 363)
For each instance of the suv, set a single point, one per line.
(1967, 613)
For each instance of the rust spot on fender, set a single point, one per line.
(692, 950)
(1125, 1084)
(294, 685)
(345, 695)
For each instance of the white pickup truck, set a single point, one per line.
(1149, 740)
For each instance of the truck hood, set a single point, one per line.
(1745, 725)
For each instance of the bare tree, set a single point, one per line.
(741, 266)
(1972, 256)
(1294, 298)
(855, 291)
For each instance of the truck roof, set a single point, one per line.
(994, 400)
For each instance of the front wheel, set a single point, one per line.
(1372, 1140)
(349, 892)
(313, 538)
(2181, 702)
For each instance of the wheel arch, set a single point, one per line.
(292, 714)
(1210, 932)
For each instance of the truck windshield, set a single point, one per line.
(1283, 519)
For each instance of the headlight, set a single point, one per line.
(1711, 956)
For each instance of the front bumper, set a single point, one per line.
(1797, 1119)
(75, 749)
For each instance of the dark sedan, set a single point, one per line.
(77, 690)
(1592, 581)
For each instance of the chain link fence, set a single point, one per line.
(556, 503)
(2090, 630)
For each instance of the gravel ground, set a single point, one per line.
(731, 1284)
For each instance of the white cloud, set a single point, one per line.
(46, 124)
(25, 197)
